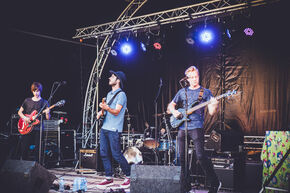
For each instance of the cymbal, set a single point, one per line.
(130, 116)
(59, 112)
(160, 114)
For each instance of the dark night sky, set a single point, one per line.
(26, 58)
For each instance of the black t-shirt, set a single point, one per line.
(29, 106)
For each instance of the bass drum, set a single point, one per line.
(133, 155)
(141, 155)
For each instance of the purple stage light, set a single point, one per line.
(249, 31)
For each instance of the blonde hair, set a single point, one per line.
(191, 69)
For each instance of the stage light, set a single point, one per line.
(157, 46)
(189, 40)
(249, 31)
(228, 33)
(114, 52)
(126, 48)
(206, 36)
(143, 47)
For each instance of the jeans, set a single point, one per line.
(197, 135)
(111, 139)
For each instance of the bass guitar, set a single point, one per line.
(176, 122)
(25, 127)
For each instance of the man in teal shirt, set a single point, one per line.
(112, 128)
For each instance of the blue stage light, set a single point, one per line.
(206, 36)
(126, 48)
(143, 47)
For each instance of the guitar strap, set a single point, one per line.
(100, 121)
(200, 94)
(112, 99)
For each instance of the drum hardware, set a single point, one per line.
(170, 143)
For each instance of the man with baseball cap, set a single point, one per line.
(114, 108)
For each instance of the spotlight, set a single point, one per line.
(189, 40)
(126, 48)
(114, 52)
(143, 47)
(157, 46)
(228, 33)
(249, 31)
(206, 36)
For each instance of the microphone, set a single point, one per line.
(160, 82)
(61, 82)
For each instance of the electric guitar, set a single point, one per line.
(176, 122)
(101, 119)
(25, 127)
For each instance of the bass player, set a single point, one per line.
(190, 94)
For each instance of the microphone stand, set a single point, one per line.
(156, 124)
(169, 138)
(186, 133)
(41, 123)
(129, 127)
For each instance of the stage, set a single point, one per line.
(69, 174)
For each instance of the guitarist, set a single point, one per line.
(111, 129)
(195, 126)
(27, 107)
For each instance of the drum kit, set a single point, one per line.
(148, 149)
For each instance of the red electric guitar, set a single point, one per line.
(25, 127)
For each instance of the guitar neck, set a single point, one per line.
(199, 106)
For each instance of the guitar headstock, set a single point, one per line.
(60, 103)
(230, 93)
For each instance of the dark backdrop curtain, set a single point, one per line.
(256, 66)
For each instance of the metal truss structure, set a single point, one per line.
(253, 142)
(91, 97)
(191, 12)
(108, 33)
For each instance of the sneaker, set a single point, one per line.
(105, 183)
(215, 189)
(126, 183)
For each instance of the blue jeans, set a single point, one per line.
(111, 139)
(197, 135)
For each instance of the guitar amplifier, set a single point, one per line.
(89, 158)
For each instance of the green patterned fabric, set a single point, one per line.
(275, 147)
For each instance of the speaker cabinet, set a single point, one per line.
(224, 141)
(253, 175)
(155, 178)
(68, 145)
(25, 176)
(230, 171)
